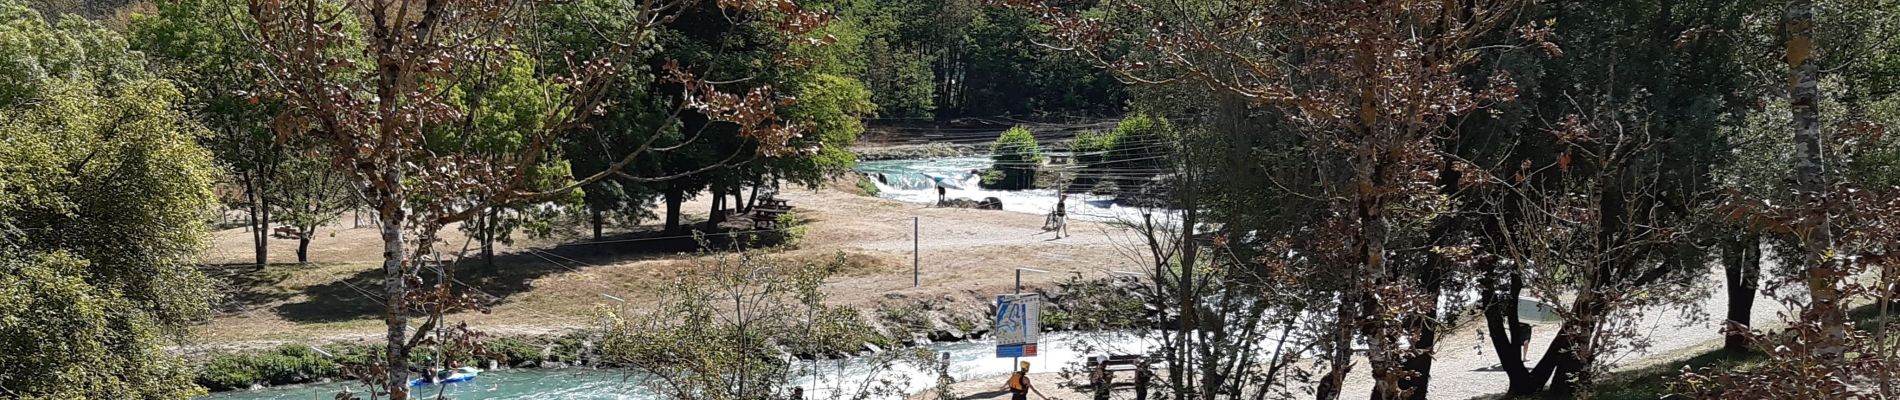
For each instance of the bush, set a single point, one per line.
(1138, 148)
(1016, 156)
(865, 184)
(290, 364)
(513, 351)
(793, 227)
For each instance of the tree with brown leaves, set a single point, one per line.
(368, 79)
(1370, 85)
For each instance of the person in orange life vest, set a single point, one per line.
(1019, 386)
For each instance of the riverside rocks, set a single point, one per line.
(988, 203)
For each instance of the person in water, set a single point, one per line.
(1019, 386)
(940, 193)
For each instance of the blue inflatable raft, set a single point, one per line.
(460, 375)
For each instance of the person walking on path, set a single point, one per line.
(1019, 386)
(1061, 218)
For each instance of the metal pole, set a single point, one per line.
(1019, 281)
(916, 256)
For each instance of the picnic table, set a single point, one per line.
(766, 214)
(1103, 370)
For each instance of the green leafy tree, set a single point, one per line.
(1130, 156)
(195, 43)
(504, 110)
(642, 112)
(307, 195)
(102, 201)
(834, 105)
(62, 337)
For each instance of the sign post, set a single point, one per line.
(1017, 324)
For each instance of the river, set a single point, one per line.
(968, 360)
(915, 181)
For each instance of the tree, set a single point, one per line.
(197, 44)
(835, 105)
(308, 194)
(1130, 156)
(1370, 86)
(93, 286)
(504, 109)
(1826, 307)
(373, 102)
(67, 338)
(1016, 156)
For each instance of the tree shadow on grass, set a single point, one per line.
(360, 296)
(246, 286)
(997, 394)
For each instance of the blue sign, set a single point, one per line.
(1017, 324)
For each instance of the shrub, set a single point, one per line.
(1016, 156)
(865, 184)
(285, 365)
(513, 350)
(793, 227)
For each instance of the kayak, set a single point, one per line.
(463, 374)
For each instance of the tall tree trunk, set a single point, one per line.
(738, 199)
(1499, 291)
(1189, 294)
(714, 217)
(596, 220)
(395, 284)
(754, 198)
(1381, 350)
(487, 232)
(303, 245)
(1417, 383)
(1566, 364)
(1340, 361)
(1810, 167)
(1741, 259)
(673, 199)
(260, 220)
